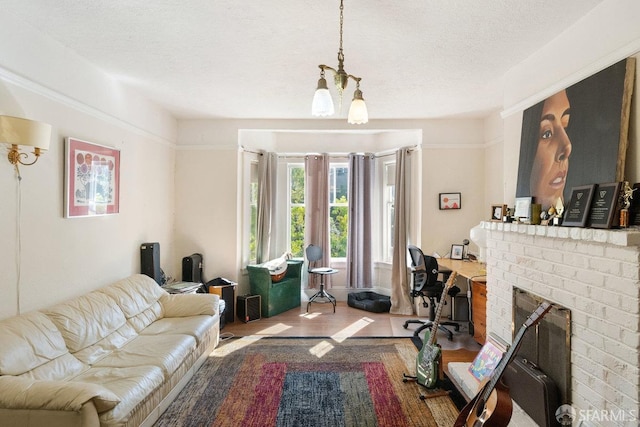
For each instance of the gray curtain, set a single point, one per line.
(361, 179)
(400, 301)
(316, 214)
(267, 181)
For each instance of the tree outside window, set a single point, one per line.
(253, 220)
(296, 209)
(338, 209)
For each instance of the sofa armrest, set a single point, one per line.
(23, 393)
(185, 305)
(294, 269)
(259, 279)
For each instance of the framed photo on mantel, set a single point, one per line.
(577, 211)
(604, 207)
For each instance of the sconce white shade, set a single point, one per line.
(358, 114)
(322, 103)
(29, 133)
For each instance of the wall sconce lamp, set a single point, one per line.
(27, 133)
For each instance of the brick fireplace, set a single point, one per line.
(595, 274)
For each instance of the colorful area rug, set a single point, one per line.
(311, 382)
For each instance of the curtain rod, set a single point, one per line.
(345, 155)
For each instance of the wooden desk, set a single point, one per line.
(475, 272)
(471, 270)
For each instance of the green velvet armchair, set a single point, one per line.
(280, 296)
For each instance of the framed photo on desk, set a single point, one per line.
(457, 252)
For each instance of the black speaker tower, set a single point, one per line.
(150, 261)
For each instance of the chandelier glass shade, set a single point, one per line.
(322, 104)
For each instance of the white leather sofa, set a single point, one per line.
(116, 356)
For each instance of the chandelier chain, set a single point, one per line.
(340, 53)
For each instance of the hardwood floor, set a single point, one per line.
(346, 322)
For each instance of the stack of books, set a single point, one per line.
(182, 287)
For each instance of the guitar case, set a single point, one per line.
(535, 392)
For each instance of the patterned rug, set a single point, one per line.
(310, 382)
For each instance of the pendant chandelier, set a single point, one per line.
(323, 104)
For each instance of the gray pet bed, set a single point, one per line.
(369, 301)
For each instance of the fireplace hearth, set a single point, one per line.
(595, 275)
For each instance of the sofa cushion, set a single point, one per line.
(130, 385)
(137, 296)
(92, 326)
(164, 351)
(31, 341)
(196, 326)
(86, 320)
(184, 305)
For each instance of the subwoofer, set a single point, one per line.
(150, 261)
(248, 308)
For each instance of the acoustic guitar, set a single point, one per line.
(492, 406)
(428, 359)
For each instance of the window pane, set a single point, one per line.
(297, 184)
(297, 231)
(389, 213)
(338, 224)
(253, 214)
(338, 183)
(296, 209)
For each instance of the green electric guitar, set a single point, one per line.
(428, 360)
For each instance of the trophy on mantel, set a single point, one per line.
(626, 196)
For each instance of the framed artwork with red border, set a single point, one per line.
(92, 179)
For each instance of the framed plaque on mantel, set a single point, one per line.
(577, 212)
(604, 206)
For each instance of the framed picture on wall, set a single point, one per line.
(450, 201)
(92, 179)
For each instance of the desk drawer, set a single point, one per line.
(479, 311)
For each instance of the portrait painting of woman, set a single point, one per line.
(575, 137)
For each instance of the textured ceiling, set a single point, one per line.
(259, 58)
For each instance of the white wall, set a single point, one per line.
(60, 258)
(608, 34)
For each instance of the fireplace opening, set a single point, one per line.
(547, 344)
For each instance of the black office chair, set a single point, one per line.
(314, 254)
(424, 269)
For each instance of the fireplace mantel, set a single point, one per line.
(615, 237)
(596, 274)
